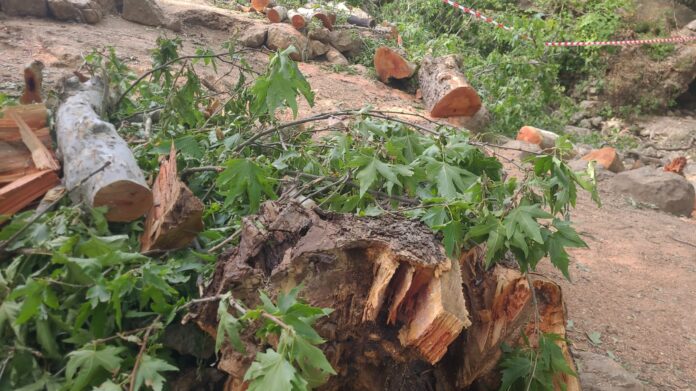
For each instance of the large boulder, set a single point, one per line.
(282, 35)
(668, 191)
(149, 13)
(254, 37)
(38, 8)
(600, 373)
(84, 11)
(347, 42)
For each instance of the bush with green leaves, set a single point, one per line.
(81, 308)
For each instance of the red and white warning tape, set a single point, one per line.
(489, 20)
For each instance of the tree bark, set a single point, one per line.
(390, 64)
(86, 142)
(176, 216)
(277, 14)
(445, 90)
(401, 306)
(361, 22)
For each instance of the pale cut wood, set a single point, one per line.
(277, 14)
(35, 115)
(33, 78)
(543, 138)
(297, 20)
(390, 64)
(86, 143)
(445, 90)
(42, 157)
(22, 192)
(176, 216)
(607, 157)
(16, 160)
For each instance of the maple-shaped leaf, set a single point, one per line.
(272, 372)
(371, 166)
(522, 219)
(243, 177)
(86, 365)
(150, 372)
(451, 180)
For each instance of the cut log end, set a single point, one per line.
(126, 200)
(461, 101)
(276, 14)
(260, 5)
(391, 65)
(297, 20)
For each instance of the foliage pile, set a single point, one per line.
(81, 308)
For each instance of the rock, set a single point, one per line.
(577, 131)
(346, 41)
(149, 13)
(321, 34)
(543, 138)
(335, 57)
(582, 149)
(282, 35)
(208, 18)
(38, 8)
(600, 373)
(84, 11)
(317, 48)
(585, 124)
(692, 25)
(525, 149)
(607, 157)
(589, 105)
(577, 117)
(670, 192)
(596, 121)
(255, 36)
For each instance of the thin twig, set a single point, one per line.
(226, 241)
(683, 242)
(37, 216)
(139, 358)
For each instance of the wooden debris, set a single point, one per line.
(297, 20)
(33, 77)
(17, 159)
(676, 166)
(445, 90)
(42, 157)
(607, 157)
(261, 5)
(86, 142)
(35, 116)
(277, 14)
(327, 19)
(543, 138)
(176, 216)
(25, 190)
(362, 22)
(390, 64)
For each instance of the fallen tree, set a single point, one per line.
(86, 142)
(401, 306)
(445, 90)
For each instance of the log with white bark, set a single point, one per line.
(277, 14)
(392, 64)
(86, 142)
(297, 20)
(543, 138)
(406, 317)
(445, 90)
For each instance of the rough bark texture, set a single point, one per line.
(445, 90)
(400, 319)
(176, 216)
(390, 64)
(86, 143)
(25, 190)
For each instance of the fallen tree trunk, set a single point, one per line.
(86, 143)
(401, 306)
(445, 90)
(176, 216)
(390, 64)
(277, 14)
(297, 20)
(361, 22)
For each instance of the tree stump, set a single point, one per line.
(390, 64)
(445, 90)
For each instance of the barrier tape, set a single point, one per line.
(489, 20)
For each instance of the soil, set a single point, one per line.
(635, 285)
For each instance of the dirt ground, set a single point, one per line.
(635, 285)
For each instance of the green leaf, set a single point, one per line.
(149, 372)
(495, 243)
(46, 338)
(228, 326)
(243, 177)
(515, 369)
(454, 235)
(84, 365)
(451, 180)
(272, 372)
(315, 368)
(108, 386)
(522, 219)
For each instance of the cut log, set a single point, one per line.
(445, 90)
(327, 19)
(16, 159)
(608, 157)
(261, 5)
(176, 216)
(361, 22)
(400, 304)
(297, 20)
(36, 116)
(42, 157)
(33, 77)
(22, 192)
(390, 64)
(543, 138)
(277, 14)
(86, 143)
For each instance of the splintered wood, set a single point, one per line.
(176, 216)
(25, 190)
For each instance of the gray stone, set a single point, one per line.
(84, 11)
(600, 373)
(525, 149)
(577, 131)
(346, 41)
(282, 35)
(254, 37)
(668, 191)
(577, 117)
(596, 121)
(317, 48)
(148, 13)
(585, 123)
(692, 25)
(589, 105)
(38, 8)
(321, 34)
(335, 57)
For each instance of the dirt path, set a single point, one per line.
(636, 284)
